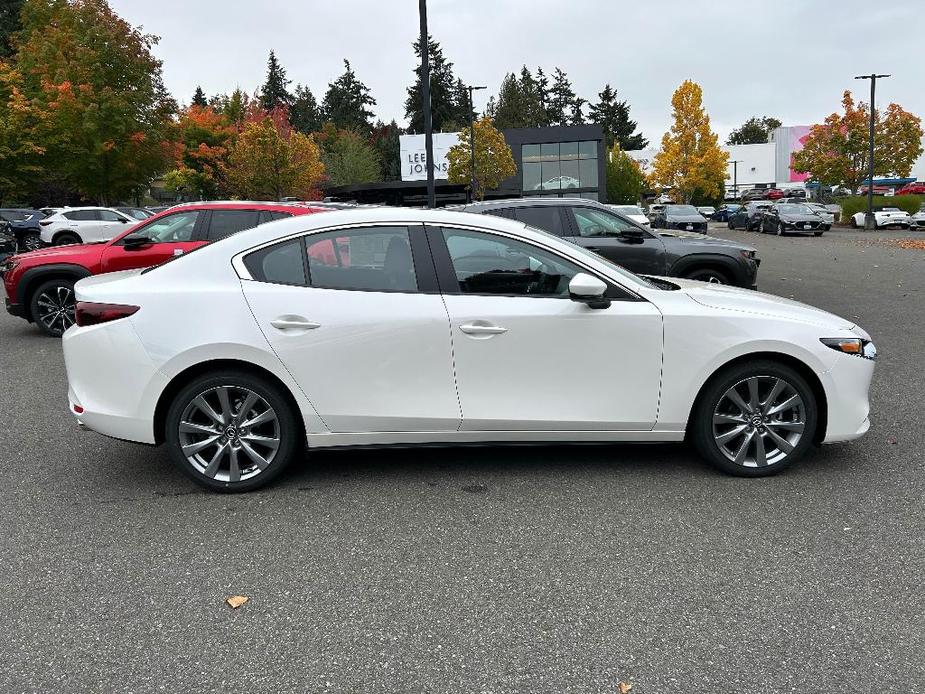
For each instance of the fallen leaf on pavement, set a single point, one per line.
(235, 601)
(625, 687)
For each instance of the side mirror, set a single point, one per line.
(632, 235)
(132, 243)
(588, 290)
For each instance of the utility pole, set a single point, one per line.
(870, 222)
(472, 181)
(425, 103)
(735, 178)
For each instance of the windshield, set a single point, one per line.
(681, 209)
(628, 209)
(794, 209)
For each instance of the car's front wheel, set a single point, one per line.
(755, 419)
(52, 306)
(30, 242)
(708, 274)
(779, 229)
(232, 431)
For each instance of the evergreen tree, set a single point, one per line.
(614, 118)
(506, 110)
(562, 99)
(275, 91)
(199, 97)
(542, 95)
(386, 143)
(9, 24)
(753, 131)
(577, 116)
(446, 109)
(347, 102)
(461, 103)
(304, 114)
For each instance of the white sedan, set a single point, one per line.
(886, 217)
(397, 326)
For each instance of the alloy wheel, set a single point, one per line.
(31, 242)
(229, 433)
(56, 308)
(759, 421)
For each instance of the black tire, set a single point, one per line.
(708, 274)
(701, 427)
(66, 238)
(52, 306)
(779, 229)
(730, 224)
(854, 223)
(30, 242)
(289, 431)
(817, 233)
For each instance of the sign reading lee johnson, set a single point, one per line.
(414, 156)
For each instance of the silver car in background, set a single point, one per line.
(633, 212)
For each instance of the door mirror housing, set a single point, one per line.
(132, 243)
(588, 290)
(632, 235)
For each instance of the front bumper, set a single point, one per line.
(14, 309)
(847, 386)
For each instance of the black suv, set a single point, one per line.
(600, 229)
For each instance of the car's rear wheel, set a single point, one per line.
(755, 419)
(52, 306)
(66, 238)
(779, 229)
(232, 431)
(708, 274)
(30, 242)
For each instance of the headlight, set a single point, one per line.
(749, 255)
(851, 345)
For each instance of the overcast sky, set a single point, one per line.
(786, 58)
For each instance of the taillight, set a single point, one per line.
(89, 313)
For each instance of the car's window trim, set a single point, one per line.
(422, 260)
(449, 283)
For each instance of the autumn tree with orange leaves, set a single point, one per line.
(88, 88)
(205, 138)
(837, 151)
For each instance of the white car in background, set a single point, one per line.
(885, 217)
(917, 221)
(632, 212)
(827, 215)
(399, 326)
(707, 211)
(83, 225)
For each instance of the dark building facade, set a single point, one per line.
(560, 161)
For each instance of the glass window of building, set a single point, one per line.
(560, 166)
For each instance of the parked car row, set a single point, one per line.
(782, 218)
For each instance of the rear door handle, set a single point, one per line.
(294, 323)
(482, 328)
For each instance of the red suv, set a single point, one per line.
(40, 285)
(915, 188)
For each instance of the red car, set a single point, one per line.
(774, 194)
(40, 285)
(912, 189)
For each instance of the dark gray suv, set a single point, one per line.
(666, 252)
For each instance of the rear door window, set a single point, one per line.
(369, 259)
(227, 222)
(548, 218)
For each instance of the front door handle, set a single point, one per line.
(482, 328)
(294, 323)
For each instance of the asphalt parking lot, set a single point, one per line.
(558, 569)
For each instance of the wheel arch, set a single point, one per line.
(711, 261)
(787, 360)
(180, 380)
(58, 234)
(34, 277)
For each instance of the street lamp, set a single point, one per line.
(472, 182)
(735, 178)
(425, 103)
(870, 223)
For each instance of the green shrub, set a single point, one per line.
(858, 203)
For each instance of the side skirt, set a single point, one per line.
(450, 438)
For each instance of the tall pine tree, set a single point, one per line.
(275, 91)
(561, 107)
(614, 118)
(448, 112)
(304, 114)
(347, 103)
(199, 97)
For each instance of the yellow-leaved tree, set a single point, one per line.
(269, 160)
(690, 161)
(493, 159)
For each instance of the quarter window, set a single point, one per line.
(280, 264)
(371, 259)
(490, 264)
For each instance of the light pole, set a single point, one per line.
(735, 178)
(425, 103)
(472, 182)
(870, 223)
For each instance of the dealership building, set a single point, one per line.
(559, 161)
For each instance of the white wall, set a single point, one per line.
(413, 156)
(756, 162)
